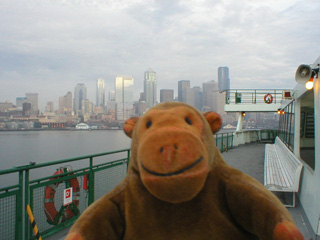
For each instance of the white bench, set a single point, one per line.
(282, 169)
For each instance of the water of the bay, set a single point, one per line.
(20, 148)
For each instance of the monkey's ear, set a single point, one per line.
(129, 126)
(214, 120)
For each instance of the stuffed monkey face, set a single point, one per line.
(172, 156)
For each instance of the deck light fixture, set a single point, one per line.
(309, 84)
(305, 74)
(279, 111)
(244, 113)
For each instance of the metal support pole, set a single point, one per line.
(19, 209)
(26, 201)
(91, 183)
(240, 122)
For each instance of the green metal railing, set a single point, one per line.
(104, 171)
(224, 141)
(254, 96)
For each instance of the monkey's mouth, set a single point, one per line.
(172, 173)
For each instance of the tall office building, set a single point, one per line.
(182, 86)
(210, 95)
(124, 97)
(188, 96)
(166, 95)
(80, 93)
(112, 96)
(198, 97)
(26, 109)
(65, 103)
(86, 107)
(150, 88)
(139, 108)
(101, 93)
(223, 79)
(33, 99)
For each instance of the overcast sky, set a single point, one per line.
(48, 46)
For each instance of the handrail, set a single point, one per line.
(39, 165)
(254, 96)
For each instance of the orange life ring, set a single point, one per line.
(268, 98)
(54, 216)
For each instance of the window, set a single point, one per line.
(286, 125)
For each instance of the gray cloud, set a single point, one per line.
(50, 46)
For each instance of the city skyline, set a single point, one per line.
(93, 98)
(81, 41)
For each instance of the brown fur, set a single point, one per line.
(179, 187)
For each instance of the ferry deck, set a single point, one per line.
(251, 164)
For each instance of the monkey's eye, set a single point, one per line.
(188, 121)
(148, 124)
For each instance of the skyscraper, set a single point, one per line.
(166, 95)
(33, 99)
(210, 91)
(198, 97)
(223, 78)
(112, 96)
(182, 86)
(101, 93)
(86, 107)
(80, 93)
(124, 97)
(188, 96)
(65, 103)
(150, 88)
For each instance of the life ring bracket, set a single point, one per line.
(62, 175)
(268, 98)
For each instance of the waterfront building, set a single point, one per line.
(33, 99)
(65, 104)
(223, 79)
(182, 86)
(124, 97)
(5, 106)
(82, 126)
(150, 88)
(100, 93)
(80, 93)
(166, 95)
